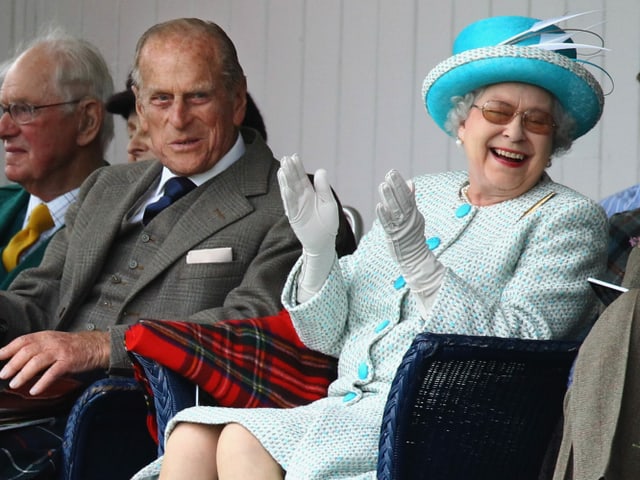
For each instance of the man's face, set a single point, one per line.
(191, 118)
(41, 150)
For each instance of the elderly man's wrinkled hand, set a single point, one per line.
(53, 354)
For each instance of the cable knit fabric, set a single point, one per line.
(514, 269)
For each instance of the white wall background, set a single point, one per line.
(338, 81)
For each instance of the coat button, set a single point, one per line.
(133, 264)
(463, 210)
(433, 243)
(349, 396)
(399, 283)
(382, 325)
(91, 326)
(115, 278)
(145, 237)
(363, 371)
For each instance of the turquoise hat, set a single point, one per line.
(504, 49)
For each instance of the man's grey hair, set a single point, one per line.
(80, 71)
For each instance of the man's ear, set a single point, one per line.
(91, 116)
(140, 109)
(240, 103)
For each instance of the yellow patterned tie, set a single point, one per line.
(39, 221)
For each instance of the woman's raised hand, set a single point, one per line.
(404, 225)
(311, 209)
(313, 214)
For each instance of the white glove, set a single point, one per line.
(404, 226)
(313, 214)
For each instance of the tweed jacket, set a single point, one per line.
(601, 432)
(240, 208)
(13, 207)
(517, 268)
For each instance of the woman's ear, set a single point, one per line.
(90, 121)
(461, 130)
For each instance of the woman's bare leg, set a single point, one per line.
(191, 452)
(242, 456)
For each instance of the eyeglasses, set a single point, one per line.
(24, 113)
(501, 113)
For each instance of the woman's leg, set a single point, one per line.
(191, 452)
(242, 456)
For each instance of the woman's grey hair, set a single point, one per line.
(80, 71)
(562, 133)
(232, 73)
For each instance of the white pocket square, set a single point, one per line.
(210, 255)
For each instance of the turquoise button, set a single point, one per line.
(433, 243)
(399, 283)
(463, 210)
(348, 397)
(363, 371)
(382, 325)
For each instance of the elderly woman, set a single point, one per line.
(499, 249)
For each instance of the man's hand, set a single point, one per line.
(53, 354)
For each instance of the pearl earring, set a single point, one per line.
(459, 141)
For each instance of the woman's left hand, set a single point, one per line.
(404, 226)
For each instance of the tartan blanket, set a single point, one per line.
(255, 362)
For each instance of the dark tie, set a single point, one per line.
(175, 188)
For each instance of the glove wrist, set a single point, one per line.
(314, 272)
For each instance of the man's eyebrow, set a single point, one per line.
(191, 90)
(201, 88)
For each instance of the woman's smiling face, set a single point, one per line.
(507, 160)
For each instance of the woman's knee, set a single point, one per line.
(235, 438)
(202, 437)
(241, 453)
